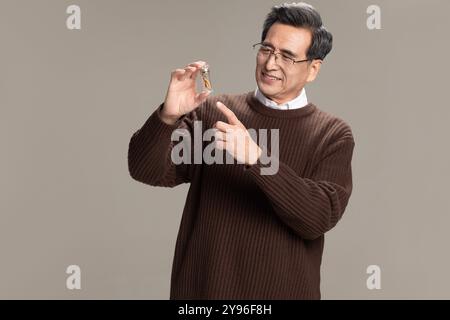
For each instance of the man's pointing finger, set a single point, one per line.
(231, 117)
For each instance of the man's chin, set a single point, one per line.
(267, 93)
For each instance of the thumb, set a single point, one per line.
(201, 97)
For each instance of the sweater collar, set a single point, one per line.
(257, 106)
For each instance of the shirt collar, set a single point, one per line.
(299, 102)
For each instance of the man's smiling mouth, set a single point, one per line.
(270, 76)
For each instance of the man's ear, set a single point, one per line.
(314, 69)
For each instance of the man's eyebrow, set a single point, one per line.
(286, 51)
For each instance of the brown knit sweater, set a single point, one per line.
(244, 235)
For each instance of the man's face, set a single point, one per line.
(283, 82)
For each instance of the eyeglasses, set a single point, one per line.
(265, 52)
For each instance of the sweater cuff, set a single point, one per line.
(262, 168)
(158, 129)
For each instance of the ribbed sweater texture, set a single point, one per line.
(245, 235)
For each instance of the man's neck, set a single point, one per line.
(299, 102)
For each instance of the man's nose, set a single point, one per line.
(271, 62)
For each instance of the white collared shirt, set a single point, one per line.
(299, 102)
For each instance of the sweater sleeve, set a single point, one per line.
(311, 206)
(149, 151)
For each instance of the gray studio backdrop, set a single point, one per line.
(71, 99)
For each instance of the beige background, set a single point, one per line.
(70, 101)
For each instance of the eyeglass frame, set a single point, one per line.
(272, 52)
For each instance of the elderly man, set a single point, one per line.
(244, 234)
